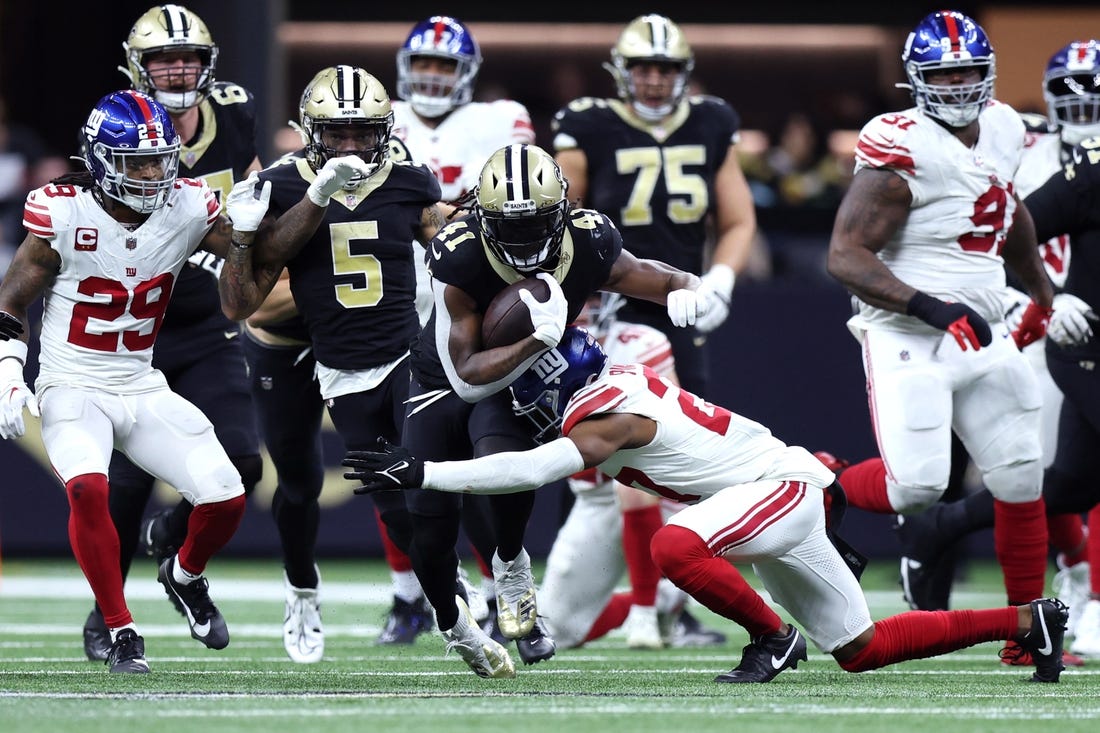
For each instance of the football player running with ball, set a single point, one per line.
(521, 226)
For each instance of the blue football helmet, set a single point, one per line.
(127, 137)
(944, 41)
(1071, 87)
(434, 95)
(542, 392)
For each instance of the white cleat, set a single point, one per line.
(483, 655)
(642, 631)
(1071, 586)
(303, 634)
(479, 607)
(1087, 641)
(516, 609)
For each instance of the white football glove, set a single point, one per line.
(245, 210)
(14, 392)
(334, 175)
(548, 318)
(1014, 302)
(1069, 326)
(714, 297)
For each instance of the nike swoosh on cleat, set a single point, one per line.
(1048, 646)
(201, 629)
(778, 662)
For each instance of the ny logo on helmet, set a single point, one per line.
(550, 366)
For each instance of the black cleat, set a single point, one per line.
(1044, 639)
(767, 656)
(490, 625)
(406, 621)
(97, 639)
(537, 645)
(156, 537)
(688, 631)
(127, 654)
(927, 570)
(206, 622)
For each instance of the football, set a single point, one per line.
(507, 320)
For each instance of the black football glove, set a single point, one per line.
(10, 326)
(391, 468)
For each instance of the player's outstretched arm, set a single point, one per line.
(32, 270)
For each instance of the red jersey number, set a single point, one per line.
(148, 300)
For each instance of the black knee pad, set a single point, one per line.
(251, 469)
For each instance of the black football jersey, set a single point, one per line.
(354, 282)
(1069, 203)
(219, 154)
(654, 181)
(458, 256)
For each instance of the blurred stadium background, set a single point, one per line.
(784, 357)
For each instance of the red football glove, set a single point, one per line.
(1033, 326)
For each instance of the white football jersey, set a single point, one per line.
(1042, 159)
(104, 309)
(699, 448)
(962, 207)
(457, 149)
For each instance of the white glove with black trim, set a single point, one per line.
(14, 392)
(1014, 302)
(1069, 326)
(334, 175)
(243, 207)
(547, 318)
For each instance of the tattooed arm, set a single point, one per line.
(255, 260)
(875, 206)
(33, 269)
(432, 219)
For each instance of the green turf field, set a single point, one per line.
(46, 684)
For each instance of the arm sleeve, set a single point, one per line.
(466, 391)
(506, 473)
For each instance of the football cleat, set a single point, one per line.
(642, 631)
(516, 609)
(405, 621)
(766, 656)
(490, 625)
(688, 631)
(1043, 641)
(483, 655)
(926, 570)
(537, 645)
(1087, 640)
(479, 607)
(303, 634)
(206, 622)
(156, 541)
(127, 654)
(97, 639)
(1072, 587)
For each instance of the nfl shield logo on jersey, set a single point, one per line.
(131, 242)
(266, 383)
(904, 355)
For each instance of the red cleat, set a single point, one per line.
(831, 462)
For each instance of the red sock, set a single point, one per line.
(612, 616)
(1067, 536)
(639, 526)
(1093, 549)
(95, 545)
(210, 527)
(865, 486)
(1020, 543)
(687, 561)
(398, 561)
(919, 634)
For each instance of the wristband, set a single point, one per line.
(13, 349)
(238, 241)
